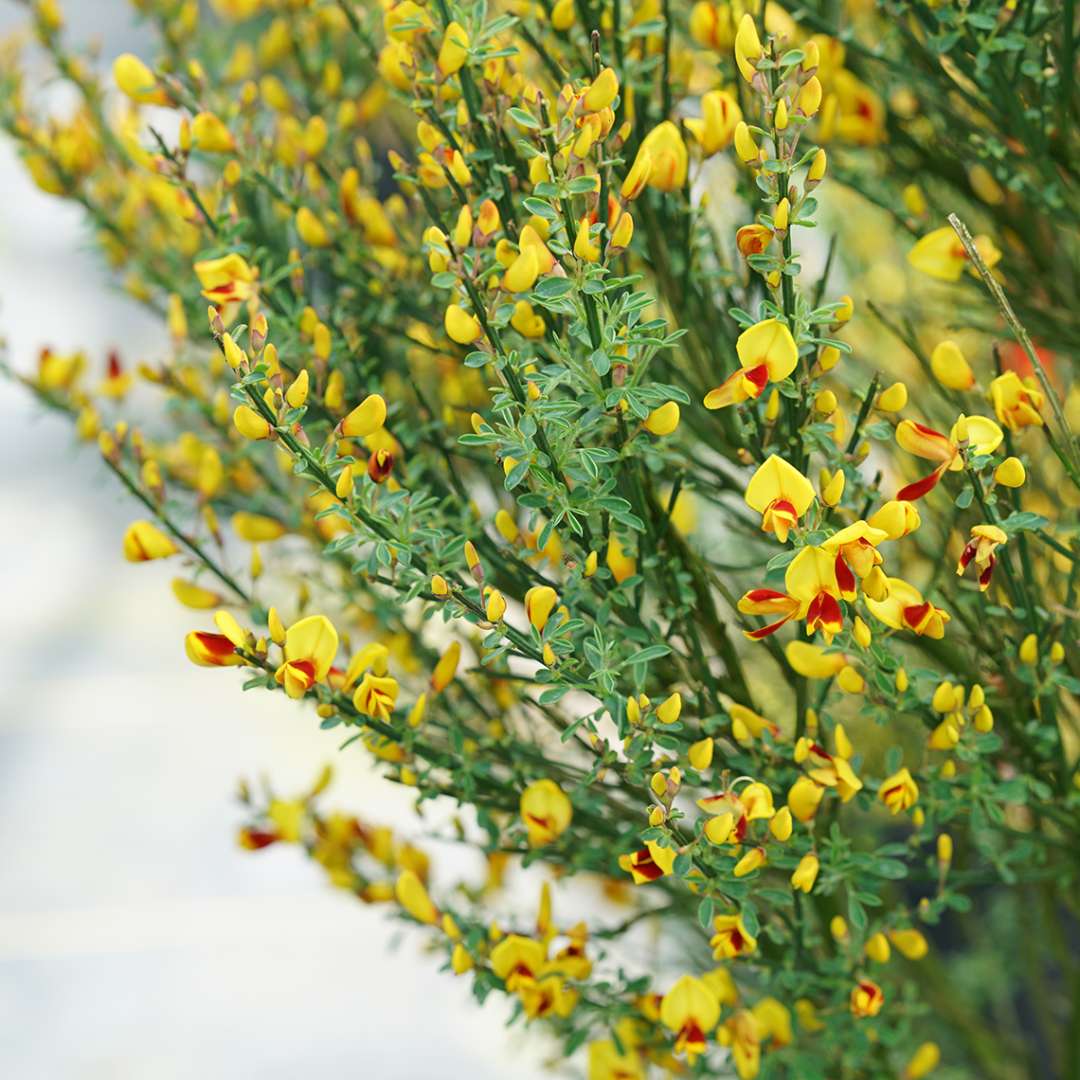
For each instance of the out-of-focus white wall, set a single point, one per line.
(136, 939)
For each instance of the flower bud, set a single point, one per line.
(1010, 473)
(602, 93)
(454, 49)
(828, 358)
(1029, 650)
(663, 420)
(540, 601)
(944, 849)
(893, 399)
(805, 874)
(877, 948)
(923, 1062)
(700, 754)
(310, 229)
(816, 173)
(745, 146)
(250, 424)
(462, 327)
(367, 418)
(667, 712)
(950, 368)
(781, 824)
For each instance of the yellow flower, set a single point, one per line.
(812, 661)
(985, 540)
(137, 81)
(731, 938)
(805, 874)
(751, 861)
(950, 368)
(210, 135)
(413, 897)
(665, 152)
(720, 113)
(454, 50)
(602, 92)
(462, 327)
(747, 47)
(866, 999)
(923, 1062)
(256, 528)
(781, 494)
(899, 792)
(546, 812)
(804, 798)
(606, 1062)
(648, 864)
(690, 1010)
(767, 353)
(517, 960)
(540, 601)
(310, 647)
(940, 254)
(1016, 403)
(226, 280)
(376, 696)
(251, 424)
(367, 418)
(211, 650)
(1011, 473)
(910, 943)
(144, 541)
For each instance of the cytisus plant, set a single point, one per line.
(513, 414)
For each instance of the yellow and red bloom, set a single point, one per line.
(767, 353)
(904, 608)
(517, 959)
(731, 938)
(649, 863)
(228, 280)
(856, 549)
(310, 647)
(690, 1010)
(211, 650)
(376, 696)
(980, 432)
(866, 999)
(1016, 401)
(546, 812)
(985, 540)
(899, 792)
(781, 494)
(813, 594)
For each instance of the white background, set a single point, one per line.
(136, 940)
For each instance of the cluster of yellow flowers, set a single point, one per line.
(512, 366)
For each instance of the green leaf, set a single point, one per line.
(525, 119)
(653, 652)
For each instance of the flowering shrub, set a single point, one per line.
(573, 497)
